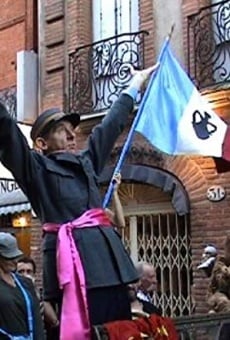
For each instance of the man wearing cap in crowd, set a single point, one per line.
(18, 299)
(62, 185)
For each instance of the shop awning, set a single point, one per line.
(14, 202)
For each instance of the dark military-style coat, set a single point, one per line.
(62, 186)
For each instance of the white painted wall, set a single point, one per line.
(166, 13)
(27, 86)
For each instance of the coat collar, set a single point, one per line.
(66, 157)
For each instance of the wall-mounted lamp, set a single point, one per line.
(21, 220)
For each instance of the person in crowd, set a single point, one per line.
(19, 313)
(116, 214)
(146, 288)
(219, 288)
(208, 259)
(26, 267)
(93, 268)
(148, 281)
(138, 306)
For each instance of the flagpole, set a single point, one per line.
(128, 141)
(171, 32)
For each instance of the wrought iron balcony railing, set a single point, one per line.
(205, 327)
(8, 98)
(209, 45)
(99, 71)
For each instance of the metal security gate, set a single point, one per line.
(155, 233)
(163, 239)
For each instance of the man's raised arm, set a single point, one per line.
(15, 153)
(104, 135)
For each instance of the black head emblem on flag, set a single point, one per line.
(202, 126)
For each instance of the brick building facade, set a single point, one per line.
(21, 18)
(69, 26)
(65, 29)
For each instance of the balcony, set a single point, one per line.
(99, 71)
(209, 45)
(8, 98)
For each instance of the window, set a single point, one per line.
(114, 21)
(114, 17)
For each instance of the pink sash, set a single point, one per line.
(74, 314)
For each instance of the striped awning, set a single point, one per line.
(14, 202)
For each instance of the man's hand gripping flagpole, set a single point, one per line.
(138, 81)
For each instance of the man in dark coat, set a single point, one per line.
(62, 185)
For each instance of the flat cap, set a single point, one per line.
(47, 119)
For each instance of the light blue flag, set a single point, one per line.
(174, 116)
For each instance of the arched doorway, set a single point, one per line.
(155, 232)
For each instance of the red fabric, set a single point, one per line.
(158, 327)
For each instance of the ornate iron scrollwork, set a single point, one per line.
(98, 72)
(209, 45)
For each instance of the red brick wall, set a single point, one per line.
(9, 47)
(12, 20)
(147, 23)
(16, 34)
(35, 249)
